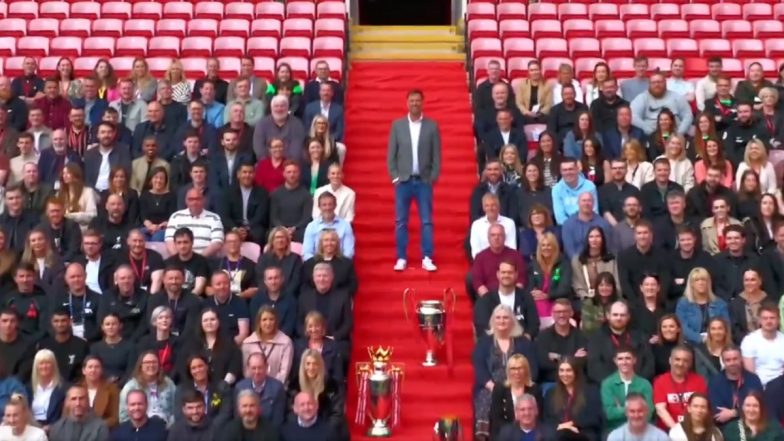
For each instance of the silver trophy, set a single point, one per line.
(431, 319)
(380, 377)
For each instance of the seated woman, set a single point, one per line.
(79, 200)
(333, 150)
(313, 378)
(704, 129)
(513, 165)
(713, 154)
(712, 228)
(548, 159)
(549, 277)
(759, 228)
(649, 307)
(681, 170)
(491, 354)
(144, 85)
(279, 254)
(225, 358)
(592, 163)
(69, 87)
(518, 382)
(748, 195)
(161, 340)
(269, 340)
(638, 170)
(583, 130)
(106, 80)
(744, 307)
(572, 408)
(119, 183)
(657, 141)
(181, 89)
(594, 308)
(18, 423)
(284, 79)
(594, 260)
(707, 354)
(697, 423)
(49, 268)
(156, 205)
(149, 377)
(593, 90)
(754, 423)
(220, 406)
(314, 168)
(540, 222)
(698, 306)
(328, 250)
(104, 397)
(315, 340)
(116, 353)
(269, 171)
(669, 335)
(771, 116)
(47, 389)
(755, 157)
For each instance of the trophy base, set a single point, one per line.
(429, 363)
(379, 432)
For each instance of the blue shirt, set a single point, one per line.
(314, 228)
(213, 114)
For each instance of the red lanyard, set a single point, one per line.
(769, 125)
(736, 392)
(138, 272)
(567, 414)
(78, 141)
(724, 110)
(627, 339)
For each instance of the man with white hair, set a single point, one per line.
(52, 161)
(526, 425)
(279, 124)
(254, 108)
(637, 427)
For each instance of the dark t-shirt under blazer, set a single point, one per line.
(400, 151)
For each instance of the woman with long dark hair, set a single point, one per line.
(648, 308)
(533, 191)
(592, 163)
(704, 129)
(219, 399)
(594, 309)
(657, 141)
(157, 204)
(583, 130)
(70, 88)
(698, 422)
(748, 194)
(753, 423)
(760, 228)
(211, 342)
(119, 184)
(548, 159)
(592, 261)
(572, 408)
(711, 153)
(669, 334)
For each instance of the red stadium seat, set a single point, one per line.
(76, 27)
(98, 47)
(298, 47)
(3, 13)
(131, 47)
(209, 10)
(660, 63)
(7, 47)
(274, 10)
(163, 47)
(633, 10)
(578, 28)
(696, 67)
(229, 66)
(715, 47)
(118, 10)
(203, 28)
(264, 67)
(298, 27)
(483, 47)
(482, 28)
(584, 47)
(228, 47)
(158, 65)
(480, 65)
(551, 47)
(695, 11)
(330, 27)
(550, 66)
(234, 27)
(25, 10)
(518, 67)
(682, 47)
(542, 11)
(328, 47)
(196, 47)
(641, 28)
(617, 47)
(47, 66)
(603, 11)
(42, 27)
(171, 27)
(13, 66)
(331, 9)
(736, 29)
(650, 47)
(733, 67)
(545, 28)
(266, 28)
(510, 11)
(519, 47)
(568, 11)
(299, 66)
(480, 11)
(147, 10)
(748, 48)
(239, 10)
(13, 27)
(182, 10)
(262, 47)
(103, 27)
(778, 11)
(665, 11)
(297, 9)
(757, 11)
(726, 11)
(140, 27)
(513, 29)
(705, 29)
(768, 29)
(583, 67)
(774, 47)
(610, 28)
(88, 10)
(768, 65)
(59, 10)
(673, 29)
(33, 46)
(194, 67)
(122, 64)
(335, 67)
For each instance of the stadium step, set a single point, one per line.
(407, 43)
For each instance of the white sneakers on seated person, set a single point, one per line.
(427, 265)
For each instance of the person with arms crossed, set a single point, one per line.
(763, 349)
(672, 389)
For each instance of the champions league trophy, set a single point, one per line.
(448, 429)
(433, 323)
(379, 380)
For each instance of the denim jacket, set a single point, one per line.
(690, 315)
(165, 399)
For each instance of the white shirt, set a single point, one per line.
(325, 109)
(767, 177)
(41, 397)
(245, 193)
(91, 393)
(30, 433)
(680, 86)
(91, 274)
(102, 183)
(768, 355)
(41, 267)
(230, 158)
(207, 228)
(346, 199)
(705, 90)
(481, 226)
(37, 140)
(505, 136)
(507, 299)
(415, 127)
(578, 91)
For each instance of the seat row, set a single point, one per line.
(622, 2)
(215, 10)
(637, 28)
(597, 11)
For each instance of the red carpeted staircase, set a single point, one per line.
(377, 96)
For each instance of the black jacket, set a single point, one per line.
(633, 265)
(183, 430)
(587, 419)
(17, 356)
(507, 194)
(219, 173)
(83, 310)
(163, 133)
(105, 269)
(17, 113)
(131, 311)
(119, 157)
(601, 352)
(483, 95)
(699, 199)
(611, 197)
(69, 354)
(492, 141)
(180, 173)
(524, 311)
(665, 235)
(264, 431)
(550, 341)
(680, 268)
(726, 112)
(66, 240)
(32, 309)
(560, 120)
(208, 137)
(339, 317)
(186, 311)
(738, 135)
(653, 203)
(17, 228)
(773, 262)
(484, 121)
(221, 89)
(731, 269)
(225, 357)
(604, 114)
(502, 406)
(343, 267)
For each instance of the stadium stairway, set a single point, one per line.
(425, 43)
(377, 96)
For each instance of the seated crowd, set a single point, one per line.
(175, 260)
(627, 276)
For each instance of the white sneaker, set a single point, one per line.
(400, 265)
(428, 265)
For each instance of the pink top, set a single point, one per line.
(545, 307)
(700, 170)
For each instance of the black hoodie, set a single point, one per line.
(184, 430)
(17, 356)
(33, 311)
(131, 311)
(601, 352)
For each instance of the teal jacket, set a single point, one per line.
(614, 398)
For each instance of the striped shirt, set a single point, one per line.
(207, 228)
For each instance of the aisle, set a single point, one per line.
(377, 96)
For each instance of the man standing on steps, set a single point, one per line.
(414, 162)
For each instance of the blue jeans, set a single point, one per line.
(405, 192)
(157, 236)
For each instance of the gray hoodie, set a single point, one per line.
(68, 429)
(646, 109)
(183, 430)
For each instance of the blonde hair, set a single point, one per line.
(275, 231)
(40, 357)
(320, 247)
(761, 147)
(769, 90)
(20, 401)
(28, 255)
(519, 358)
(634, 145)
(517, 330)
(683, 147)
(315, 386)
(545, 264)
(327, 141)
(517, 165)
(168, 75)
(696, 273)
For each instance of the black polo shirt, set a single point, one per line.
(197, 266)
(143, 268)
(229, 312)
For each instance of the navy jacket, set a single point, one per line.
(55, 409)
(319, 431)
(611, 141)
(120, 156)
(47, 164)
(17, 113)
(273, 399)
(208, 136)
(153, 430)
(219, 168)
(163, 134)
(312, 91)
(481, 358)
(723, 392)
(123, 135)
(492, 142)
(96, 111)
(285, 306)
(774, 390)
(336, 118)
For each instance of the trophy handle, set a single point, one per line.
(449, 294)
(408, 297)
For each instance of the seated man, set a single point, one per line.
(647, 105)
(80, 302)
(482, 278)
(214, 105)
(27, 153)
(279, 124)
(183, 162)
(232, 310)
(291, 204)
(226, 161)
(130, 110)
(196, 267)
(30, 301)
(672, 389)
(80, 423)
(208, 134)
(29, 86)
(142, 166)
(16, 221)
(54, 107)
(185, 306)
(53, 160)
(115, 225)
(503, 134)
(508, 293)
(526, 411)
(619, 385)
(206, 226)
(307, 425)
(313, 87)
(326, 106)
(479, 228)
(245, 98)
(346, 197)
(157, 126)
(493, 182)
(265, 389)
(194, 425)
(567, 191)
(637, 426)
(328, 219)
(272, 294)
(247, 207)
(728, 388)
(763, 349)
(36, 193)
(575, 229)
(98, 265)
(139, 424)
(69, 350)
(212, 76)
(122, 135)
(334, 304)
(601, 346)
(558, 341)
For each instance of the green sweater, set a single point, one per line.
(614, 398)
(772, 432)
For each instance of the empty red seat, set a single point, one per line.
(641, 28)
(7, 47)
(694, 11)
(239, 10)
(194, 66)
(665, 11)
(331, 9)
(542, 11)
(42, 27)
(299, 66)
(519, 47)
(550, 66)
(298, 27)
(224, 46)
(621, 67)
(610, 28)
(481, 28)
(768, 29)
(513, 29)
(98, 47)
(633, 10)
(328, 47)
(203, 28)
(209, 10)
(480, 47)
(733, 67)
(164, 47)
(13, 66)
(578, 28)
(196, 46)
(171, 27)
(705, 29)
(266, 28)
(726, 11)
(517, 67)
(140, 27)
(617, 47)
(147, 10)
(24, 10)
(32, 46)
(583, 67)
(88, 10)
(229, 66)
(552, 47)
(264, 67)
(757, 11)
(650, 47)
(103, 27)
(234, 27)
(183, 10)
(778, 11)
(329, 27)
(262, 47)
(59, 10)
(274, 10)
(122, 65)
(674, 28)
(510, 11)
(748, 48)
(659, 63)
(682, 47)
(568, 11)
(158, 65)
(480, 11)
(47, 66)
(584, 47)
(774, 47)
(120, 10)
(545, 28)
(296, 9)
(736, 29)
(131, 47)
(600, 11)
(714, 47)
(13, 27)
(80, 27)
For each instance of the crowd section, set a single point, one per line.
(175, 257)
(628, 270)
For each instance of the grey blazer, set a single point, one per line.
(137, 114)
(399, 159)
(45, 141)
(258, 89)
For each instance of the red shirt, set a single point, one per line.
(267, 176)
(676, 395)
(55, 112)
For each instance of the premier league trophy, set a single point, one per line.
(433, 323)
(379, 381)
(447, 429)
